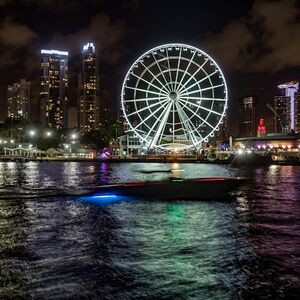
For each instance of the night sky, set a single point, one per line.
(256, 43)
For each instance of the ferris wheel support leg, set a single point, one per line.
(161, 126)
(186, 123)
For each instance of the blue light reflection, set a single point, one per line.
(105, 199)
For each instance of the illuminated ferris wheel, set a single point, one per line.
(174, 97)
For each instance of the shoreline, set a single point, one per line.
(145, 160)
(115, 160)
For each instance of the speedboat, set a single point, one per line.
(173, 189)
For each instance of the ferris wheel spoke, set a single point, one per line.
(212, 87)
(160, 70)
(144, 99)
(150, 83)
(163, 86)
(178, 65)
(200, 118)
(192, 125)
(201, 107)
(202, 98)
(193, 75)
(147, 107)
(161, 125)
(169, 68)
(190, 122)
(151, 115)
(143, 90)
(201, 90)
(184, 121)
(185, 72)
(201, 80)
(157, 120)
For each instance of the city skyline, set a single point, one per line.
(87, 104)
(285, 107)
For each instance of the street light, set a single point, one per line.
(32, 133)
(73, 136)
(48, 133)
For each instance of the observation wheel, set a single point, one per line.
(174, 97)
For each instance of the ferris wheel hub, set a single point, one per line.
(173, 96)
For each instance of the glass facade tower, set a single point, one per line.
(54, 85)
(89, 101)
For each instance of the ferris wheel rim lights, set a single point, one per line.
(178, 97)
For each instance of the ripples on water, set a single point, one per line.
(58, 247)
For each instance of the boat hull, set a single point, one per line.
(176, 189)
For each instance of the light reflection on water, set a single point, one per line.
(59, 247)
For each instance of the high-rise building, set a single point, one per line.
(290, 89)
(73, 117)
(89, 102)
(297, 112)
(248, 116)
(18, 100)
(282, 106)
(54, 85)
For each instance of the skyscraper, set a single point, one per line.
(18, 100)
(54, 84)
(290, 89)
(248, 116)
(282, 106)
(89, 102)
(297, 112)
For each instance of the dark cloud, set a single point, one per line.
(265, 40)
(106, 33)
(15, 34)
(48, 4)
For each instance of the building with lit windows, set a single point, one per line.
(89, 101)
(54, 86)
(282, 106)
(287, 108)
(248, 116)
(290, 89)
(18, 100)
(297, 112)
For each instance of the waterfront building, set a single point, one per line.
(248, 116)
(297, 112)
(54, 86)
(282, 106)
(18, 100)
(285, 105)
(89, 101)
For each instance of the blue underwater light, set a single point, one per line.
(104, 199)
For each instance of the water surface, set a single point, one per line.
(55, 246)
